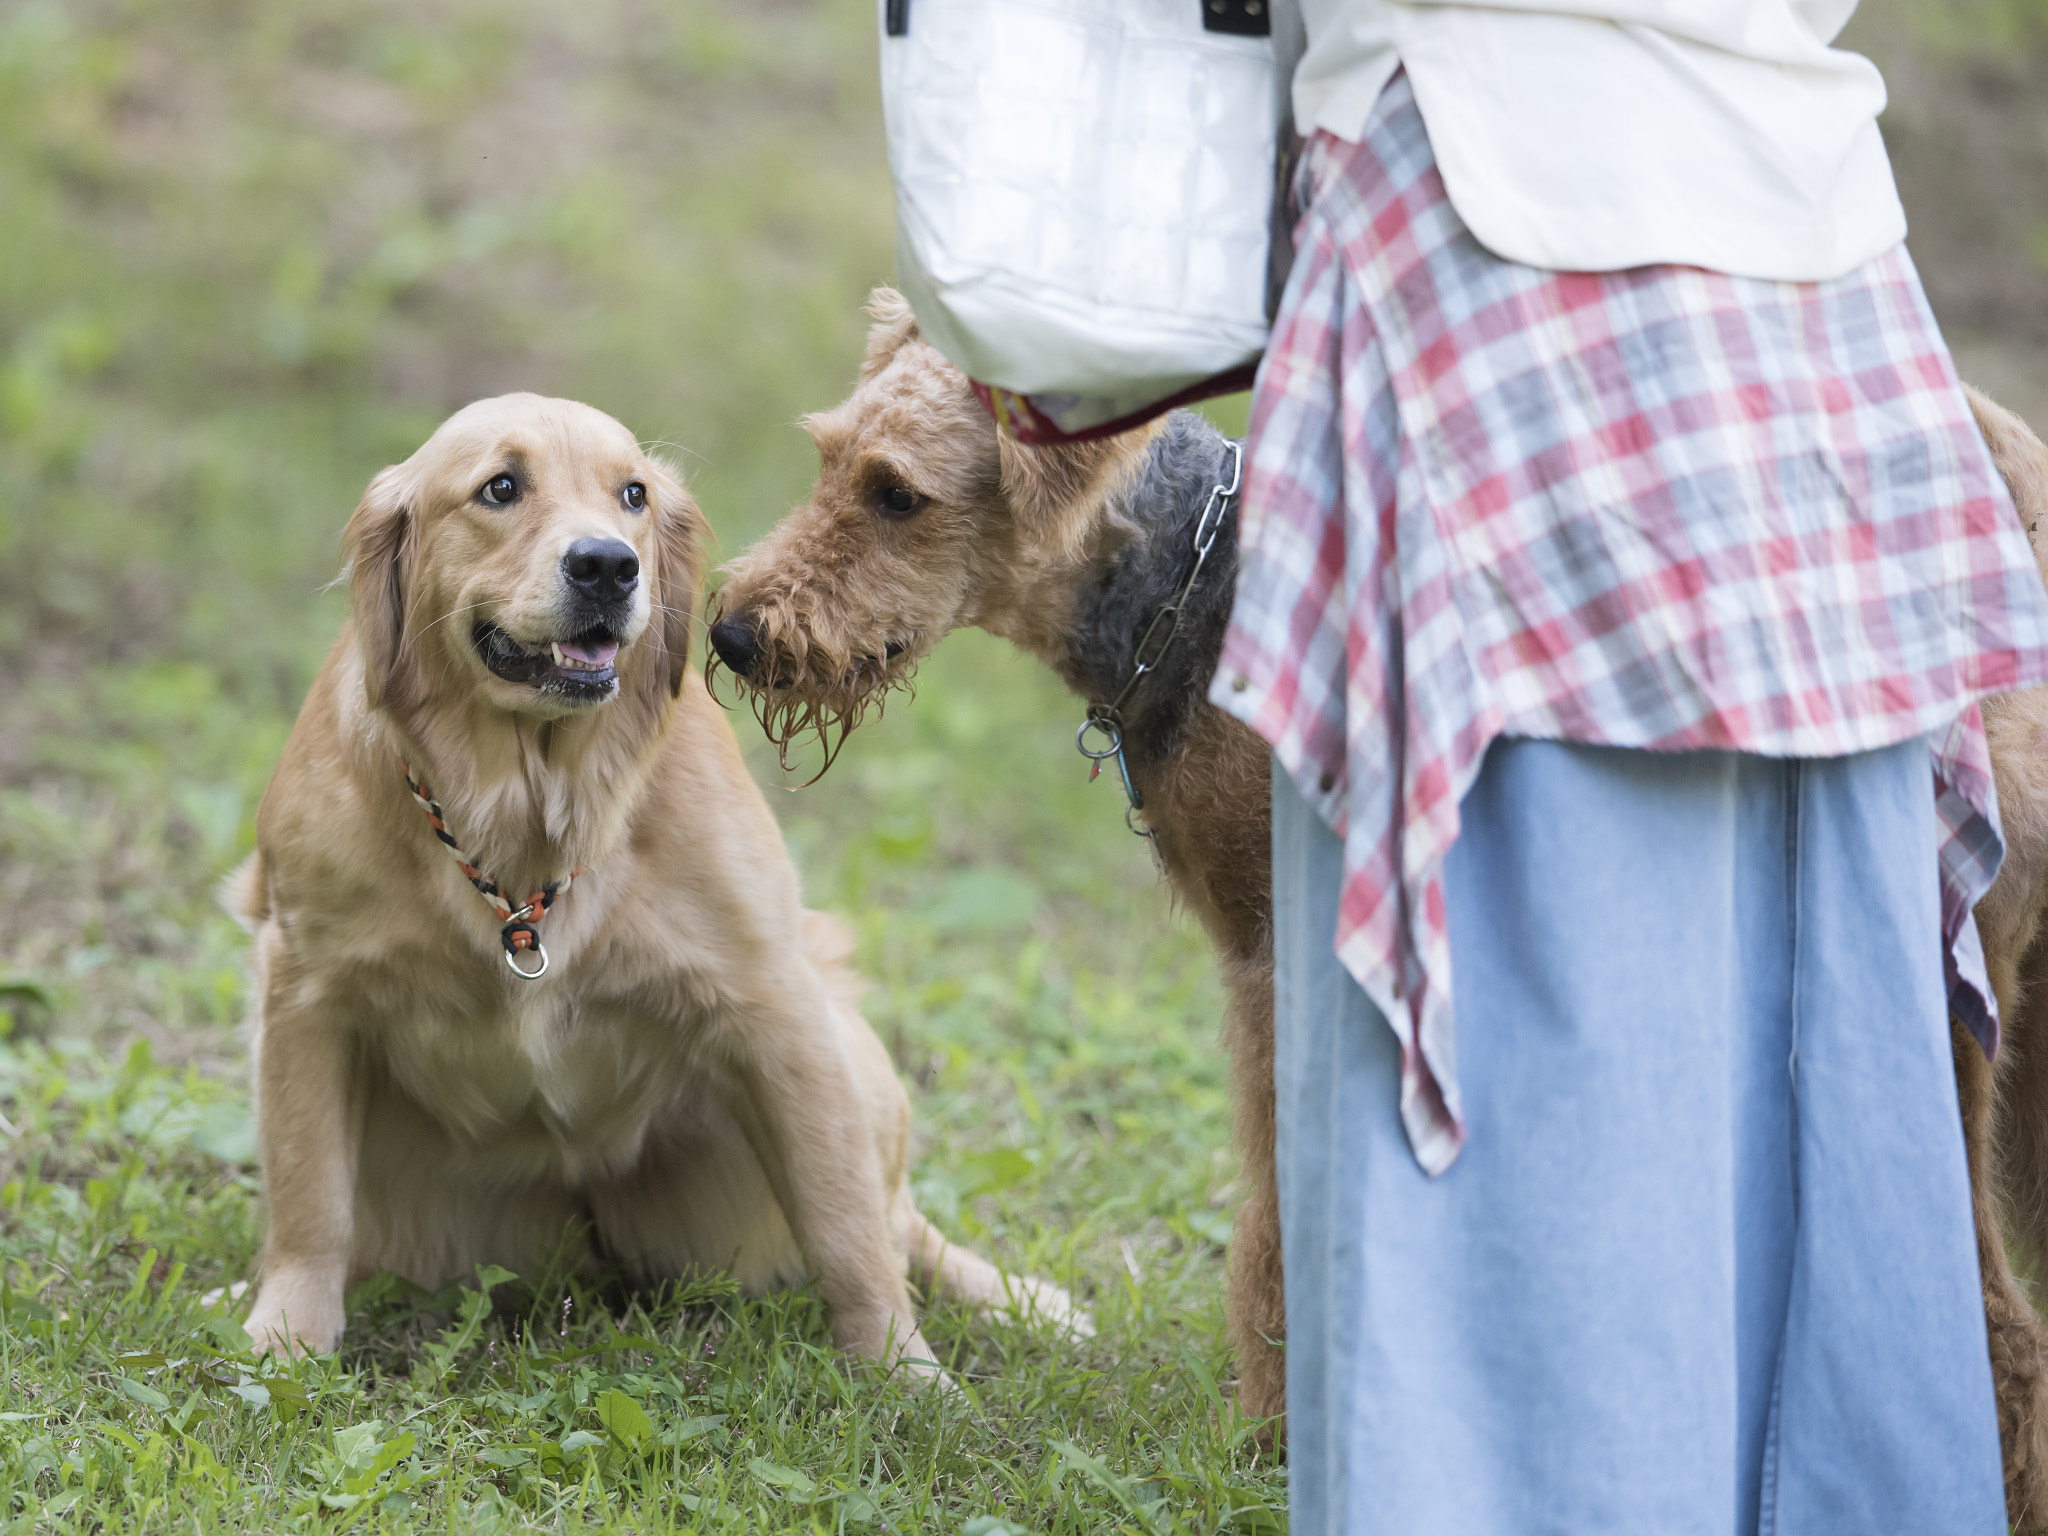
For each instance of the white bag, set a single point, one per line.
(1083, 200)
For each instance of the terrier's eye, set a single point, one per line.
(498, 491)
(636, 496)
(900, 501)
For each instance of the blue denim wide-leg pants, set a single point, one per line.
(1705, 1265)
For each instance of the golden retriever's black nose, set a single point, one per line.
(603, 568)
(737, 645)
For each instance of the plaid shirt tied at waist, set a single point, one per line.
(1662, 508)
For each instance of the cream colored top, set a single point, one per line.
(1602, 134)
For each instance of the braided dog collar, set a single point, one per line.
(518, 927)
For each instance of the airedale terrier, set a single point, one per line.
(925, 518)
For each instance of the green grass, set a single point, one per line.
(1054, 1018)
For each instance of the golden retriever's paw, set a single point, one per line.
(280, 1335)
(1044, 1305)
(916, 1361)
(296, 1315)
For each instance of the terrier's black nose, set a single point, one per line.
(737, 645)
(603, 568)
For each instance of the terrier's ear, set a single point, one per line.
(1053, 490)
(375, 544)
(894, 325)
(679, 544)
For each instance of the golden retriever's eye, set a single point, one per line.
(635, 496)
(899, 501)
(498, 491)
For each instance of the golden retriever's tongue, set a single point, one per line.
(594, 654)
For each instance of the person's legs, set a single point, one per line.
(1545, 1338)
(1886, 1419)
(1578, 1328)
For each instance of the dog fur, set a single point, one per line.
(691, 1086)
(1066, 551)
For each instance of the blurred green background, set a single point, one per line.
(252, 252)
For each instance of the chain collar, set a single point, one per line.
(518, 927)
(1105, 722)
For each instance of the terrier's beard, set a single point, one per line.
(793, 706)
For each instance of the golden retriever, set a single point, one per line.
(677, 1079)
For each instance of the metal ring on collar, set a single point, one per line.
(1110, 733)
(512, 959)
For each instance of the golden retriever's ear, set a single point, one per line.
(894, 324)
(679, 545)
(375, 543)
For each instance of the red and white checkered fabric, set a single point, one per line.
(1661, 508)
